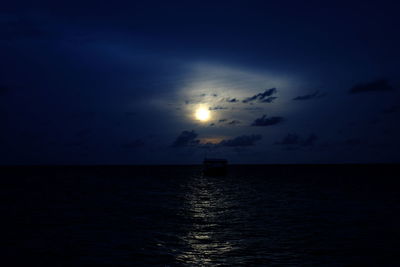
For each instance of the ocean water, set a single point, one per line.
(174, 216)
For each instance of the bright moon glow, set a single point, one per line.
(202, 114)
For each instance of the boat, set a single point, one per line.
(215, 167)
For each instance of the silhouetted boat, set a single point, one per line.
(215, 166)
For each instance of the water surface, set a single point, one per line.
(175, 216)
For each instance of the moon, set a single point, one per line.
(202, 114)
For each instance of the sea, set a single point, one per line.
(256, 215)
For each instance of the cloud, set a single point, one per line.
(310, 140)
(262, 97)
(290, 139)
(376, 86)
(241, 141)
(186, 138)
(264, 121)
(253, 108)
(269, 99)
(348, 143)
(233, 122)
(217, 108)
(232, 100)
(293, 139)
(316, 94)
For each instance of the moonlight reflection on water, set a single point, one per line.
(210, 236)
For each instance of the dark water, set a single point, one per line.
(173, 216)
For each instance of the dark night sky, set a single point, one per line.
(119, 82)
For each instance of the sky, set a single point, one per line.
(168, 82)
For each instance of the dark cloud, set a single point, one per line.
(217, 108)
(376, 86)
(253, 108)
(222, 120)
(232, 100)
(233, 122)
(310, 140)
(241, 141)
(264, 121)
(212, 124)
(191, 101)
(293, 139)
(290, 139)
(262, 97)
(186, 138)
(269, 99)
(316, 94)
(347, 143)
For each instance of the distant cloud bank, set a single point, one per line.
(293, 139)
(376, 86)
(241, 141)
(316, 94)
(186, 138)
